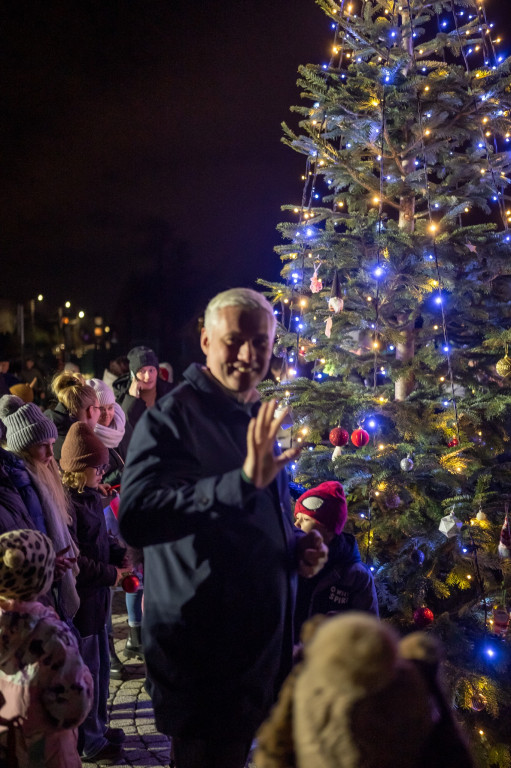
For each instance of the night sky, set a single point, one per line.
(141, 147)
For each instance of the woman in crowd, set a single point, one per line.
(110, 429)
(31, 436)
(76, 402)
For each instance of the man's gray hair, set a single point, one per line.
(238, 297)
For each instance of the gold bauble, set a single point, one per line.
(503, 367)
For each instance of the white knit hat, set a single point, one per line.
(103, 391)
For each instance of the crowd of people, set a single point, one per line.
(228, 574)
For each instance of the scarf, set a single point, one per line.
(111, 436)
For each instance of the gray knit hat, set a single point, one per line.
(25, 424)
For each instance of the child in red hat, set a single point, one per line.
(345, 583)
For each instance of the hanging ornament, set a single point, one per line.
(481, 516)
(417, 556)
(316, 282)
(472, 248)
(505, 540)
(328, 327)
(288, 418)
(478, 702)
(338, 437)
(336, 302)
(392, 501)
(453, 442)
(422, 617)
(450, 525)
(360, 437)
(503, 366)
(500, 620)
(406, 464)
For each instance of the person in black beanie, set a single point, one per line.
(141, 388)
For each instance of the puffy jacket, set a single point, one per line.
(43, 679)
(20, 506)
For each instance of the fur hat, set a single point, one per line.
(25, 424)
(24, 391)
(140, 356)
(103, 391)
(82, 449)
(27, 564)
(325, 503)
(363, 699)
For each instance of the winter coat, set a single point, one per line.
(62, 420)
(344, 584)
(99, 553)
(134, 407)
(20, 506)
(43, 679)
(219, 563)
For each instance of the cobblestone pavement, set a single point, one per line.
(129, 705)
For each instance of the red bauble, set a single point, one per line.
(453, 442)
(360, 437)
(422, 617)
(130, 583)
(338, 436)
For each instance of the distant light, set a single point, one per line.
(67, 304)
(81, 313)
(40, 297)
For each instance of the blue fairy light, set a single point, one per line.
(438, 300)
(446, 403)
(371, 423)
(391, 347)
(446, 348)
(378, 272)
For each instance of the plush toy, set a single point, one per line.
(362, 699)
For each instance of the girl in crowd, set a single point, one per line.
(83, 461)
(31, 436)
(76, 402)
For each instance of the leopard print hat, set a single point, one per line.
(27, 564)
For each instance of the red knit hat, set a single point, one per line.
(325, 503)
(82, 449)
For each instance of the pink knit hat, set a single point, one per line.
(325, 503)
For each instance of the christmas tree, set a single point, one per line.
(394, 323)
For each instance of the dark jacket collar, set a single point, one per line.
(197, 376)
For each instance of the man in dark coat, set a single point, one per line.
(206, 496)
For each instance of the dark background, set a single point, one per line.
(142, 169)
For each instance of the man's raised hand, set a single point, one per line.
(261, 466)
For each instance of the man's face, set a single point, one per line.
(238, 347)
(147, 376)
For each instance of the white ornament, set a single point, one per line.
(481, 515)
(288, 419)
(337, 451)
(336, 304)
(406, 464)
(450, 525)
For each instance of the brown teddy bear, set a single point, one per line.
(361, 698)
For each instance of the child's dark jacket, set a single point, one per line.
(99, 554)
(344, 584)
